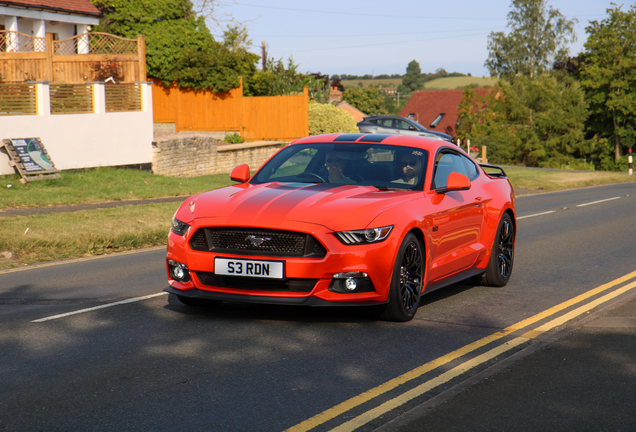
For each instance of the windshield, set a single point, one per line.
(364, 164)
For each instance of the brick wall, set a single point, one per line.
(191, 157)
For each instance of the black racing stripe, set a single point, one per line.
(349, 137)
(259, 200)
(287, 202)
(374, 138)
(294, 191)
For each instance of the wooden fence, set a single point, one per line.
(259, 118)
(74, 60)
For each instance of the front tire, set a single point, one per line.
(407, 282)
(502, 256)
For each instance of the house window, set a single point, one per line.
(438, 119)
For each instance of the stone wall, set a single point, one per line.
(196, 156)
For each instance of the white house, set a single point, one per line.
(61, 18)
(81, 123)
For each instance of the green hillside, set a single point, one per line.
(437, 84)
(459, 82)
(387, 82)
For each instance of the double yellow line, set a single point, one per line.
(368, 416)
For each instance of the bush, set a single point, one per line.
(326, 118)
(234, 139)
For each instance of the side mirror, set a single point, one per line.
(241, 173)
(455, 182)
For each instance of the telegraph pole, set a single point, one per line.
(264, 50)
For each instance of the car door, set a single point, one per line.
(455, 219)
(405, 128)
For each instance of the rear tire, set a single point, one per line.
(407, 281)
(502, 257)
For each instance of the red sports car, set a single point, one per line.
(346, 219)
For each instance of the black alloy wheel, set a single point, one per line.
(407, 282)
(505, 248)
(503, 256)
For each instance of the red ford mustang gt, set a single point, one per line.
(346, 219)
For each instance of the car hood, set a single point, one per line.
(337, 207)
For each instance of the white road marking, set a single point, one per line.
(596, 202)
(130, 300)
(538, 214)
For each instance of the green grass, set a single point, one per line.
(549, 181)
(458, 82)
(386, 82)
(436, 84)
(47, 237)
(101, 185)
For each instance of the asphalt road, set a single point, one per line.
(129, 357)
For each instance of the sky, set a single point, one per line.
(375, 37)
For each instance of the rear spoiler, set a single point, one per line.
(488, 168)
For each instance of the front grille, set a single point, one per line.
(257, 284)
(251, 241)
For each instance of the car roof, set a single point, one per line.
(389, 139)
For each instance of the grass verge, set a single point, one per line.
(101, 185)
(51, 237)
(542, 180)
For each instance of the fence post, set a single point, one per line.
(484, 155)
(146, 95)
(43, 98)
(306, 107)
(49, 58)
(99, 97)
(141, 57)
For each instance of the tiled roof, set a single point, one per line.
(355, 112)
(428, 104)
(80, 7)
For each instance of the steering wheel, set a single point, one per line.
(310, 174)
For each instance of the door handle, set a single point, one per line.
(478, 201)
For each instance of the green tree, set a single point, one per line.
(538, 36)
(608, 75)
(278, 80)
(179, 46)
(366, 99)
(412, 81)
(535, 122)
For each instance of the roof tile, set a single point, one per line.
(81, 7)
(428, 104)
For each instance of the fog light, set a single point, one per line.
(351, 284)
(178, 271)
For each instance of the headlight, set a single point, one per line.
(179, 227)
(365, 236)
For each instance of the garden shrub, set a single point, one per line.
(326, 118)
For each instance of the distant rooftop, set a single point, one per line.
(78, 7)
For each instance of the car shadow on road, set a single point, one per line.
(305, 314)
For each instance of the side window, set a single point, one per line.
(471, 168)
(400, 124)
(447, 163)
(387, 123)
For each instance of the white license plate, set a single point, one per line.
(249, 268)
